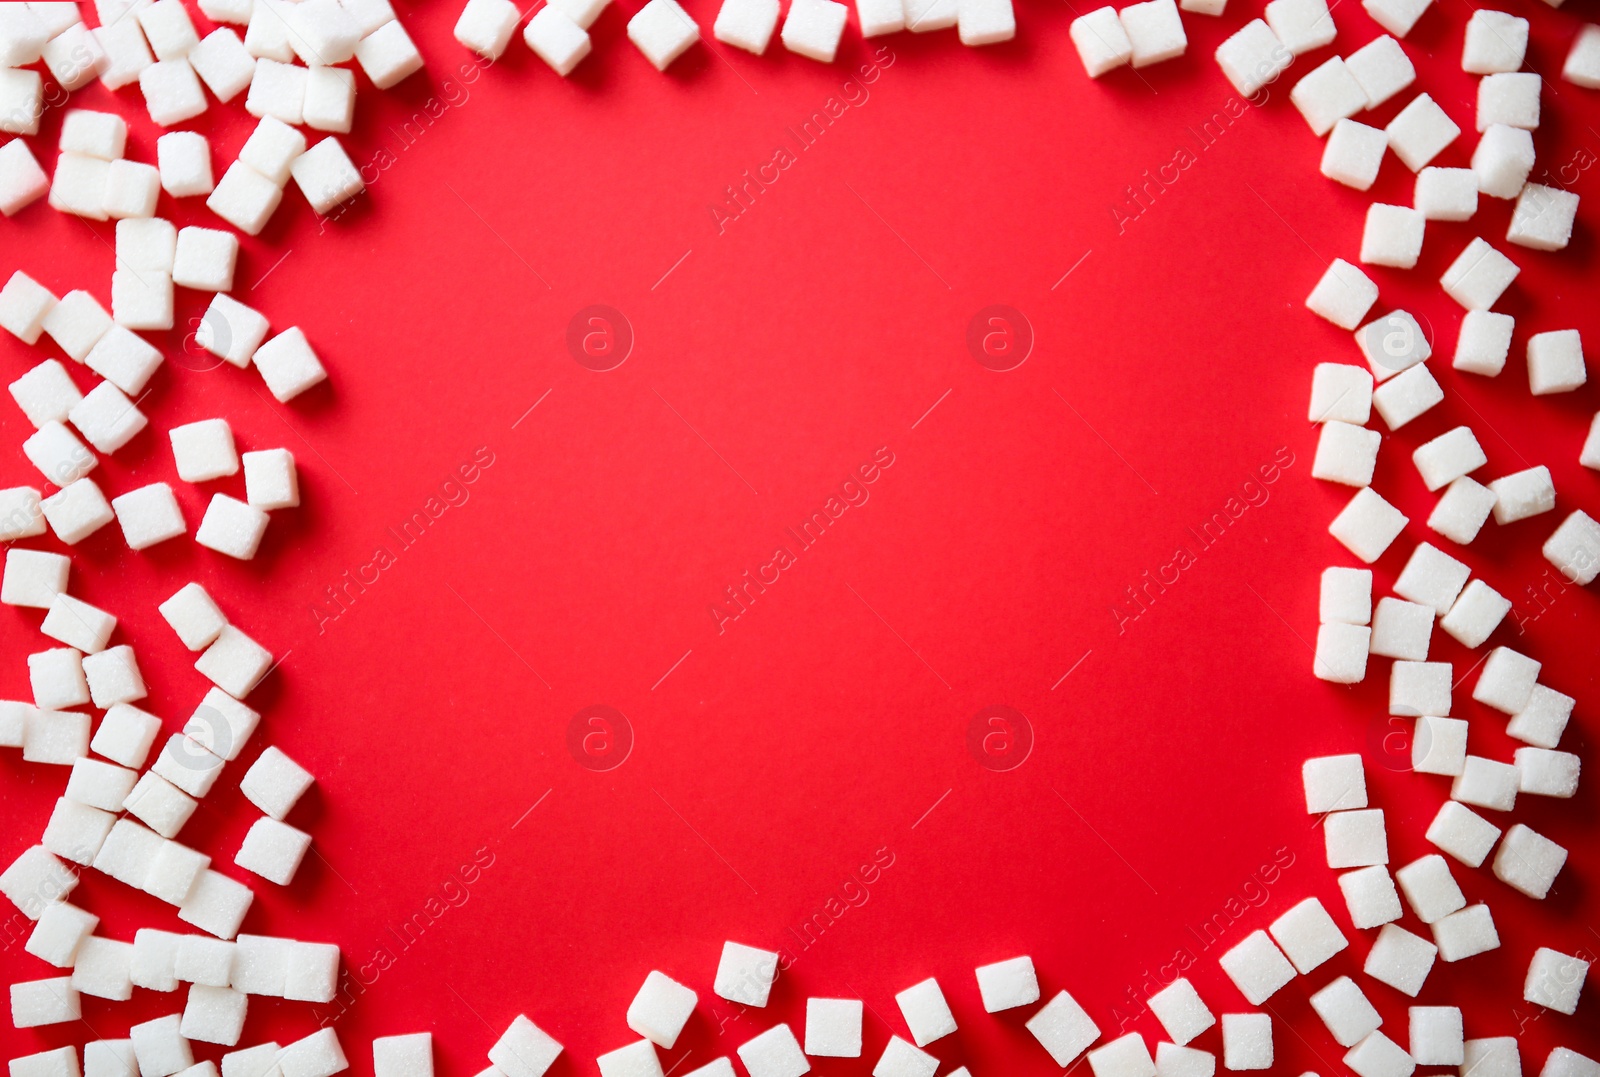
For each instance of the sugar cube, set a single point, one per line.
(1307, 935)
(1509, 97)
(204, 450)
(148, 515)
(330, 99)
(205, 259)
(1449, 456)
(216, 904)
(61, 1062)
(1393, 343)
(1465, 933)
(1154, 30)
(813, 28)
(102, 969)
(1393, 236)
(1507, 680)
(1341, 653)
(1502, 161)
(1400, 959)
(222, 724)
(1432, 578)
(1006, 985)
(202, 960)
(113, 677)
(1564, 1062)
(277, 89)
(1379, 1056)
(160, 805)
(1334, 783)
(1125, 1056)
(232, 527)
(1574, 548)
(1463, 834)
(1555, 362)
(54, 737)
(1495, 42)
(58, 454)
(1439, 746)
(1346, 1011)
(1555, 980)
(1352, 156)
(288, 365)
(833, 1027)
(1528, 861)
(230, 330)
(986, 22)
(1257, 967)
(1181, 1011)
(774, 1053)
(126, 53)
(1101, 42)
(44, 1002)
(234, 662)
(1542, 721)
(94, 134)
(1175, 1061)
(273, 850)
(1496, 1057)
(1486, 783)
(1407, 395)
(154, 957)
(188, 765)
(100, 785)
(1252, 57)
(409, 1055)
(900, 1059)
(1355, 839)
(172, 92)
(317, 1055)
(57, 679)
(663, 31)
(1346, 596)
(223, 64)
(1582, 66)
(1546, 773)
(34, 578)
(1246, 1041)
(214, 1014)
(1446, 194)
(926, 1013)
(36, 879)
(525, 1050)
(78, 624)
(1484, 342)
(1430, 889)
(244, 198)
(1461, 512)
(59, 932)
(24, 302)
(486, 26)
(313, 972)
(1340, 392)
(556, 39)
(1367, 525)
(1543, 218)
(1063, 1029)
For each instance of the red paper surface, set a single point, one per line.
(808, 762)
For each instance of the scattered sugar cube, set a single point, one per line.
(330, 101)
(79, 186)
(245, 198)
(1341, 653)
(60, 930)
(1432, 578)
(745, 974)
(1465, 933)
(223, 64)
(1543, 218)
(1346, 454)
(278, 90)
(24, 302)
(1430, 889)
(160, 805)
(1446, 194)
(1502, 161)
(46, 393)
(1544, 773)
(129, 853)
(1355, 839)
(221, 724)
(127, 361)
(1367, 525)
(926, 1013)
(1346, 1012)
(987, 22)
(1542, 721)
(1393, 235)
(113, 677)
(1418, 688)
(1352, 156)
(232, 527)
(1101, 42)
(141, 300)
(216, 904)
(148, 515)
(35, 879)
(1382, 68)
(1479, 276)
(1400, 959)
(160, 1048)
(1439, 746)
(1574, 548)
(388, 55)
(34, 578)
(1308, 935)
(57, 679)
(1340, 392)
(21, 101)
(317, 1055)
(234, 662)
(44, 1002)
(1484, 342)
(525, 1050)
(274, 783)
(145, 243)
(205, 259)
(270, 479)
(1181, 1011)
(214, 1014)
(813, 28)
(1006, 985)
(1257, 967)
(126, 53)
(1528, 861)
(833, 1027)
(325, 174)
(1486, 783)
(102, 969)
(1063, 1028)
(1555, 362)
(658, 1012)
(188, 765)
(663, 31)
(126, 735)
(22, 181)
(1393, 343)
(1511, 98)
(74, 57)
(900, 1059)
(174, 872)
(1154, 30)
(1246, 1041)
(1420, 131)
(403, 1056)
(167, 27)
(94, 134)
(1555, 980)
(201, 960)
(1507, 680)
(1495, 42)
(1448, 457)
(486, 26)
(21, 513)
(1564, 1062)
(1344, 294)
(61, 1062)
(76, 323)
(1346, 597)
(922, 16)
(774, 1053)
(172, 92)
(1379, 1056)
(1334, 783)
(231, 331)
(267, 34)
(556, 39)
(194, 616)
(1582, 66)
(261, 964)
(1252, 58)
(748, 24)
(322, 33)
(106, 418)
(1461, 512)
(204, 450)
(23, 36)
(1463, 834)
(1302, 25)
(78, 624)
(1125, 1056)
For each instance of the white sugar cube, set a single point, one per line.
(79, 186)
(78, 624)
(94, 134)
(128, 853)
(1448, 457)
(1006, 985)
(1181, 1011)
(1379, 1056)
(1528, 861)
(1418, 688)
(1341, 653)
(388, 55)
(1476, 614)
(234, 662)
(1400, 959)
(1367, 525)
(1484, 342)
(270, 479)
(1543, 218)
(1429, 888)
(154, 957)
(109, 1058)
(221, 724)
(1479, 276)
(813, 28)
(1420, 131)
(330, 101)
(582, 12)
(1507, 680)
(986, 22)
(142, 299)
(21, 513)
(1393, 236)
(900, 1059)
(1495, 42)
(277, 89)
(409, 1055)
(231, 331)
(922, 16)
(204, 450)
(749, 24)
(24, 302)
(1502, 161)
(1407, 395)
(1253, 57)
(257, 1061)
(1382, 68)
(1511, 98)
(1462, 511)
(1246, 1041)
(1439, 745)
(663, 31)
(1346, 596)
(172, 92)
(76, 323)
(261, 964)
(1446, 194)
(1564, 1062)
(833, 1027)
(147, 516)
(202, 960)
(1334, 783)
(188, 765)
(1063, 1028)
(76, 831)
(245, 198)
(36, 879)
(1555, 980)
(1543, 719)
(1461, 833)
(22, 181)
(1555, 362)
(1355, 839)
(127, 361)
(22, 36)
(1432, 578)
(1125, 1056)
(1546, 773)
(313, 972)
(326, 176)
(232, 527)
(1393, 343)
(145, 243)
(1340, 392)
(1346, 454)
(223, 64)
(1344, 294)
(1352, 156)
(100, 785)
(160, 805)
(275, 783)
(216, 904)
(1574, 548)
(774, 1053)
(288, 365)
(125, 50)
(1154, 30)
(54, 737)
(556, 39)
(926, 1013)
(59, 932)
(21, 101)
(1256, 965)
(1486, 783)
(106, 418)
(486, 26)
(1582, 66)
(214, 1015)
(322, 32)
(659, 1010)
(44, 1002)
(1465, 933)
(173, 872)
(56, 677)
(1346, 1011)
(267, 33)
(1302, 25)
(102, 969)
(1101, 42)
(34, 578)
(525, 1050)
(1307, 935)
(113, 677)
(194, 616)
(317, 1055)
(205, 259)
(126, 735)
(59, 456)
(167, 27)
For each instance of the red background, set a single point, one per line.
(830, 720)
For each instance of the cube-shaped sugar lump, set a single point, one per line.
(235, 662)
(1101, 41)
(1432, 578)
(1400, 959)
(102, 969)
(74, 57)
(1063, 1029)
(1346, 454)
(901, 1059)
(232, 527)
(486, 26)
(1246, 1041)
(113, 677)
(174, 872)
(187, 765)
(813, 28)
(21, 513)
(145, 243)
(155, 955)
(1484, 342)
(1543, 217)
(663, 31)
(322, 33)
(1356, 839)
(1555, 980)
(202, 960)
(110, 1058)
(1439, 745)
(388, 55)
(222, 724)
(214, 1014)
(1334, 783)
(317, 1055)
(275, 783)
(1352, 156)
(409, 1055)
(21, 101)
(1582, 66)
(148, 515)
(1465, 933)
(267, 34)
(1307, 935)
(1573, 548)
(223, 64)
(204, 450)
(61, 1062)
(1545, 773)
(76, 323)
(833, 1027)
(1253, 57)
(1379, 1056)
(1182, 1013)
(749, 24)
(1448, 457)
(100, 785)
(58, 454)
(1341, 653)
(277, 89)
(1367, 525)
(1555, 362)
(1420, 131)
(35, 879)
(56, 677)
(774, 1053)
(230, 330)
(1486, 783)
(216, 904)
(556, 39)
(1301, 25)
(160, 805)
(1479, 276)
(126, 735)
(261, 964)
(167, 27)
(172, 92)
(194, 616)
(1407, 395)
(1393, 236)
(927, 1014)
(1006, 985)
(127, 361)
(1457, 830)
(1382, 69)
(128, 854)
(1418, 688)
(1340, 392)
(1495, 42)
(24, 302)
(59, 932)
(1346, 596)
(1564, 1062)
(1507, 680)
(126, 53)
(78, 624)
(205, 259)
(313, 972)
(1402, 630)
(105, 416)
(79, 186)
(1430, 889)
(330, 100)
(94, 134)
(54, 737)
(1446, 194)
(141, 300)
(1257, 967)
(44, 1002)
(1393, 343)
(989, 22)
(659, 1010)
(1344, 294)
(922, 16)
(270, 479)
(525, 1050)
(273, 850)
(288, 365)
(22, 181)
(1154, 30)
(1502, 160)
(34, 578)
(1511, 98)
(160, 1047)
(1460, 514)
(1125, 1056)
(1528, 861)
(1346, 1012)
(245, 198)
(1543, 720)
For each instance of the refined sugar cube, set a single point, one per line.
(1397, 17)
(1393, 236)
(1379, 1056)
(54, 737)
(556, 39)
(141, 300)
(1511, 98)
(1154, 30)
(1555, 980)
(34, 578)
(322, 33)
(126, 735)
(1334, 783)
(388, 55)
(1528, 861)
(261, 964)
(110, 1058)
(1340, 392)
(1507, 680)
(403, 1056)
(113, 677)
(1461, 512)
(174, 871)
(987, 22)
(61, 1062)
(270, 479)
(1448, 457)
(1432, 578)
(94, 134)
(1393, 343)
(216, 904)
(76, 323)
(748, 24)
(21, 101)
(23, 35)
(1484, 342)
(1257, 967)
(223, 64)
(833, 1027)
(1495, 42)
(663, 31)
(1355, 839)
(288, 365)
(273, 850)
(44, 1002)
(167, 27)
(926, 1013)
(131, 191)
(267, 32)
(1486, 783)
(160, 1048)
(1252, 58)
(1125, 1056)
(105, 416)
(172, 92)
(230, 330)
(1461, 833)
(1446, 194)
(1101, 42)
(1479, 276)
(1545, 773)
(129, 853)
(1502, 161)
(1181, 1011)
(1246, 1041)
(1352, 156)
(200, 960)
(1382, 68)
(214, 1014)
(160, 805)
(57, 679)
(22, 181)
(1346, 597)
(1420, 131)
(188, 765)
(235, 662)
(922, 16)
(1063, 1028)
(59, 932)
(486, 26)
(222, 724)
(244, 198)
(1542, 721)
(204, 450)
(100, 785)
(1344, 294)
(59, 456)
(145, 243)
(1368, 525)
(1555, 362)
(232, 527)
(900, 1059)
(1564, 1062)
(205, 259)
(1400, 959)
(127, 361)
(1418, 688)
(813, 28)
(1346, 1012)
(278, 90)
(79, 186)
(1465, 933)
(1543, 218)
(1439, 746)
(148, 515)
(317, 1055)
(21, 513)
(1430, 889)
(1307, 935)
(525, 1050)
(1582, 66)
(313, 972)
(658, 1012)
(1006, 985)
(274, 783)
(194, 616)
(1346, 454)
(78, 624)
(101, 969)
(774, 1053)
(1341, 653)
(1302, 25)
(24, 302)
(745, 974)
(1407, 395)
(1574, 548)
(126, 54)
(35, 879)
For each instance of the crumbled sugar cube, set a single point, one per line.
(663, 31)
(187, 765)
(1400, 959)
(21, 101)
(102, 969)
(1379, 1056)
(1574, 548)
(1462, 511)
(1101, 42)
(1346, 597)
(1555, 980)
(56, 677)
(35, 879)
(1528, 861)
(486, 26)
(216, 904)
(1555, 362)
(1334, 783)
(1253, 57)
(1407, 395)
(1543, 720)
(1181, 1011)
(79, 186)
(126, 735)
(1393, 343)
(1465, 933)
(1545, 773)
(94, 134)
(113, 677)
(1154, 30)
(1341, 653)
(34, 578)
(1346, 1012)
(833, 1026)
(1463, 834)
(926, 1012)
(223, 64)
(1439, 745)
(1367, 525)
(813, 28)
(326, 176)
(313, 972)
(1355, 839)
(172, 92)
(1340, 392)
(1448, 457)
(1257, 967)
(1430, 889)
(141, 300)
(1564, 1062)
(1420, 131)
(234, 662)
(1063, 1029)
(261, 964)
(1173, 1060)
(167, 27)
(1301, 25)
(1246, 1041)
(1344, 294)
(258, 1061)
(1125, 1056)
(1484, 342)
(900, 1059)
(1486, 783)
(214, 1014)
(556, 39)
(1502, 161)
(1328, 94)
(277, 90)
(1307, 935)
(525, 1050)
(204, 450)
(78, 624)
(222, 724)
(160, 1048)
(409, 1055)
(388, 55)
(244, 198)
(232, 527)
(1495, 42)
(330, 102)
(774, 1053)
(1432, 578)
(1543, 218)
(44, 1002)
(273, 850)
(1346, 454)
(61, 1062)
(1418, 688)
(160, 805)
(1582, 66)
(126, 53)
(24, 302)
(1507, 680)
(1511, 98)
(147, 516)
(59, 932)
